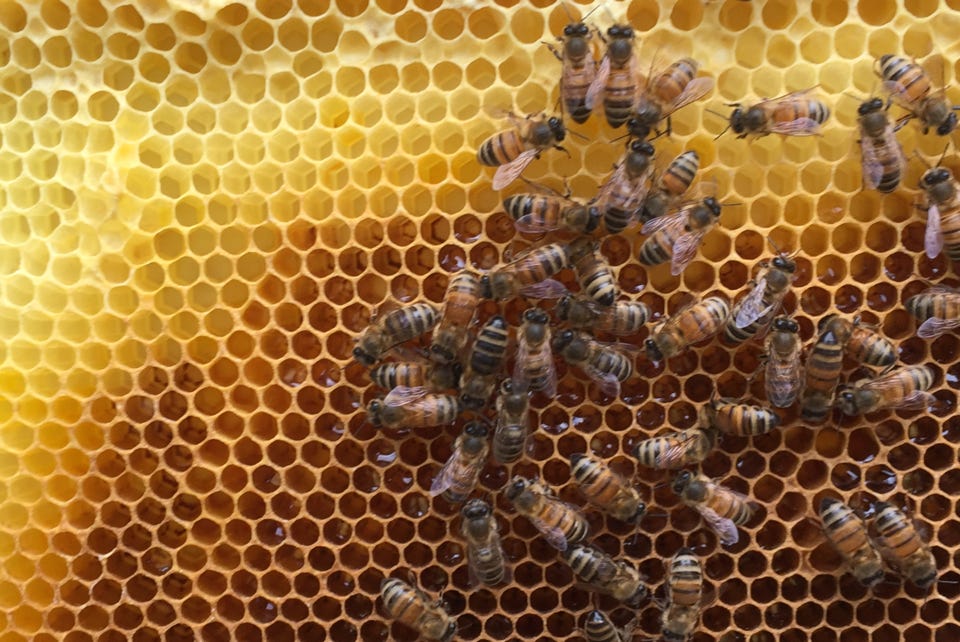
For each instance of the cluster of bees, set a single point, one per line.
(459, 376)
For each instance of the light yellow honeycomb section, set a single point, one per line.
(202, 202)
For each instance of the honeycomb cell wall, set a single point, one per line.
(203, 203)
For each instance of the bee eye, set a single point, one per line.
(582, 29)
(568, 30)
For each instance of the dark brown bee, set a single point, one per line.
(721, 508)
(738, 418)
(880, 151)
(671, 185)
(392, 329)
(593, 272)
(847, 532)
(511, 150)
(541, 213)
(605, 575)
(534, 368)
(616, 77)
(677, 237)
(824, 365)
(411, 606)
(676, 449)
(606, 489)
(757, 309)
(528, 275)
(599, 628)
(604, 364)
(489, 350)
(692, 324)
(684, 593)
(413, 408)
(783, 369)
(665, 93)
(910, 87)
(459, 308)
(458, 477)
(622, 195)
(868, 347)
(513, 423)
(578, 72)
(901, 545)
(561, 524)
(904, 387)
(938, 308)
(942, 193)
(621, 319)
(485, 558)
(414, 374)
(795, 114)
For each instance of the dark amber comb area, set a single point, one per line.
(202, 204)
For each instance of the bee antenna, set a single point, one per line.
(587, 15)
(859, 99)
(566, 10)
(943, 155)
(578, 135)
(716, 113)
(923, 160)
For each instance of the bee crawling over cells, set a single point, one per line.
(513, 423)
(511, 150)
(722, 509)
(942, 196)
(737, 418)
(458, 477)
(671, 185)
(617, 77)
(881, 155)
(598, 627)
(579, 69)
(665, 93)
(549, 212)
(677, 237)
(868, 347)
(560, 523)
(848, 533)
(489, 350)
(411, 606)
(606, 489)
(901, 545)
(783, 369)
(676, 449)
(684, 593)
(485, 557)
(691, 324)
(622, 195)
(534, 368)
(593, 272)
(795, 114)
(605, 575)
(605, 365)
(621, 319)
(904, 387)
(459, 308)
(405, 407)
(392, 329)
(528, 275)
(755, 311)
(910, 87)
(938, 309)
(824, 366)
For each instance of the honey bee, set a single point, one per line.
(943, 213)
(561, 524)
(671, 185)
(938, 308)
(534, 368)
(882, 156)
(511, 150)
(621, 319)
(513, 423)
(459, 307)
(684, 593)
(605, 575)
(904, 387)
(622, 195)
(485, 557)
(411, 606)
(692, 324)
(599, 628)
(795, 114)
(593, 272)
(824, 365)
(578, 72)
(392, 329)
(910, 87)
(604, 364)
(868, 347)
(541, 213)
(486, 359)
(676, 449)
(901, 545)
(606, 489)
(405, 407)
(665, 93)
(756, 310)
(528, 275)
(783, 369)
(616, 76)
(458, 477)
(738, 418)
(721, 508)
(414, 374)
(677, 237)
(847, 532)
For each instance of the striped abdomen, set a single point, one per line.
(613, 362)
(658, 248)
(490, 346)
(668, 86)
(410, 374)
(679, 174)
(790, 110)
(939, 305)
(620, 95)
(409, 322)
(743, 419)
(950, 228)
(576, 79)
(685, 579)
(501, 148)
(911, 77)
(869, 348)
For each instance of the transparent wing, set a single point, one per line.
(546, 289)
(796, 95)
(749, 309)
(511, 171)
(599, 82)
(872, 167)
(607, 382)
(933, 234)
(916, 400)
(618, 176)
(444, 478)
(403, 395)
(530, 224)
(725, 529)
(934, 327)
(942, 289)
(899, 94)
(797, 127)
(684, 250)
(677, 219)
(552, 534)
(550, 386)
(695, 90)
(523, 356)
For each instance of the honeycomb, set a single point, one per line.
(204, 202)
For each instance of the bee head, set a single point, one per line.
(506, 387)
(363, 357)
(476, 429)
(947, 125)
(557, 128)
(653, 350)
(737, 120)
(935, 176)
(681, 482)
(638, 128)
(713, 205)
(593, 219)
(784, 263)
(516, 486)
(374, 408)
(786, 324)
(570, 29)
(870, 106)
(536, 315)
(475, 509)
(642, 147)
(563, 339)
(486, 289)
(847, 401)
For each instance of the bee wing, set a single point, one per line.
(872, 167)
(684, 250)
(796, 127)
(599, 82)
(933, 234)
(509, 172)
(523, 356)
(678, 218)
(530, 224)
(913, 400)
(607, 382)
(604, 193)
(725, 529)
(749, 309)
(444, 478)
(942, 289)
(676, 455)
(916, 400)
(546, 289)
(552, 534)
(934, 327)
(795, 95)
(695, 90)
(899, 93)
(550, 386)
(403, 395)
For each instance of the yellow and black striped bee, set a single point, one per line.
(847, 532)
(411, 606)
(904, 387)
(606, 489)
(783, 369)
(942, 192)
(593, 272)
(413, 408)
(676, 449)
(901, 545)
(578, 69)
(528, 275)
(458, 477)
(511, 150)
(617, 76)
(938, 308)
(534, 368)
(485, 557)
(738, 418)
(415, 374)
(721, 508)
(513, 423)
(392, 329)
(622, 195)
(868, 347)
(489, 351)
(796, 114)
(671, 185)
(605, 575)
(677, 237)
(757, 309)
(560, 523)
(881, 155)
(604, 364)
(665, 93)
(910, 87)
(459, 308)
(692, 324)
(824, 365)
(621, 319)
(684, 593)
(600, 628)
(541, 213)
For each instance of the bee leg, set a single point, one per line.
(562, 149)
(669, 126)
(553, 49)
(903, 121)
